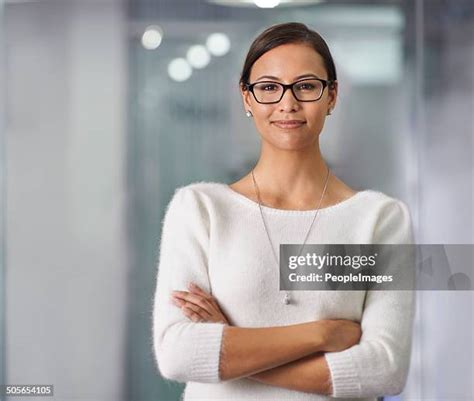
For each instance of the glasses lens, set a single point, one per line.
(267, 92)
(310, 89)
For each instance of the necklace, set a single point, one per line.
(287, 298)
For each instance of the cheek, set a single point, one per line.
(263, 116)
(264, 112)
(317, 122)
(316, 111)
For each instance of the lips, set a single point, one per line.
(287, 124)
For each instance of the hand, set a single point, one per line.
(339, 335)
(198, 305)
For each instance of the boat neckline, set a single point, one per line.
(339, 205)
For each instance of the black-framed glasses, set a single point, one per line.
(304, 90)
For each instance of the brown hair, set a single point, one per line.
(280, 34)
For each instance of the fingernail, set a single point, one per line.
(192, 285)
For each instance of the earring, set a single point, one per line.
(248, 113)
(329, 112)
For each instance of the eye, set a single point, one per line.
(305, 86)
(267, 87)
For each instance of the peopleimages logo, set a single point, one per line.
(327, 260)
(376, 267)
(346, 267)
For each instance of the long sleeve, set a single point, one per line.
(379, 364)
(184, 350)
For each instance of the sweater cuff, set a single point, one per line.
(344, 377)
(205, 361)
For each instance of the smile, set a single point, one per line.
(288, 125)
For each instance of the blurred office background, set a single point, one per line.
(107, 106)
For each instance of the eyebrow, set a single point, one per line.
(296, 78)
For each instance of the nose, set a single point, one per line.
(288, 101)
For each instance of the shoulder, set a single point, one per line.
(381, 203)
(188, 210)
(199, 187)
(386, 206)
(194, 197)
(198, 191)
(392, 222)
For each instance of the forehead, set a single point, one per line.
(288, 61)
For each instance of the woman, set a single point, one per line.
(234, 335)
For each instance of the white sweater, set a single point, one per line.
(214, 236)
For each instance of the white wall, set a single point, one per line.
(66, 262)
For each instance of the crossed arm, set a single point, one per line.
(309, 374)
(330, 357)
(290, 357)
(280, 356)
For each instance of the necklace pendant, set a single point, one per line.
(287, 299)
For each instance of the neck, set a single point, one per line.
(299, 174)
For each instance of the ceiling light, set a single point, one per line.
(198, 56)
(252, 3)
(179, 70)
(218, 44)
(152, 37)
(266, 3)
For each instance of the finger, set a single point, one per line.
(196, 309)
(209, 307)
(204, 313)
(209, 298)
(193, 298)
(178, 302)
(198, 290)
(195, 317)
(190, 315)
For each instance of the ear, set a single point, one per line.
(246, 99)
(332, 95)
